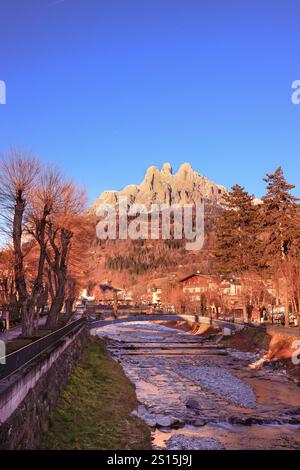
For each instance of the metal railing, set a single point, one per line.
(19, 358)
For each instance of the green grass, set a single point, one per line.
(94, 409)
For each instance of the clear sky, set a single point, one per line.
(108, 87)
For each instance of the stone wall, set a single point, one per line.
(28, 397)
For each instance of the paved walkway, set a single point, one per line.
(14, 332)
(11, 333)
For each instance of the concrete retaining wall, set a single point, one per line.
(27, 397)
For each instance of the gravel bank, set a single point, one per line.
(182, 442)
(222, 382)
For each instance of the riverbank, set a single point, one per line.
(270, 349)
(275, 350)
(94, 410)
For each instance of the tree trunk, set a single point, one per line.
(27, 318)
(68, 309)
(286, 305)
(18, 255)
(21, 288)
(57, 304)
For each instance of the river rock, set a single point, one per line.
(169, 422)
(163, 421)
(293, 411)
(221, 382)
(199, 422)
(294, 420)
(178, 423)
(151, 422)
(192, 403)
(145, 415)
(183, 442)
(245, 420)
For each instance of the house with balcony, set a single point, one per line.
(201, 291)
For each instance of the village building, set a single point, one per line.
(213, 295)
(231, 293)
(196, 284)
(200, 291)
(154, 295)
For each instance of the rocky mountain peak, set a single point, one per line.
(164, 187)
(185, 171)
(167, 169)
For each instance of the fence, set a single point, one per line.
(26, 354)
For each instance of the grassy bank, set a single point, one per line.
(94, 409)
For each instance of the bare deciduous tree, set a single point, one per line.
(37, 206)
(18, 175)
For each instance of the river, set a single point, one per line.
(195, 395)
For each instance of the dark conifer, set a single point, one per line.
(238, 244)
(279, 214)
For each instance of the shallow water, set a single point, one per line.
(196, 395)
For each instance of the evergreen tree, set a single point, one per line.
(281, 230)
(238, 246)
(279, 214)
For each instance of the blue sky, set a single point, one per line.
(107, 88)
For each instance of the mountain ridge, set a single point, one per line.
(161, 186)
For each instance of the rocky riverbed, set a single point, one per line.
(195, 395)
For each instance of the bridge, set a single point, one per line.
(168, 317)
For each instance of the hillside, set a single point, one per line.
(131, 263)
